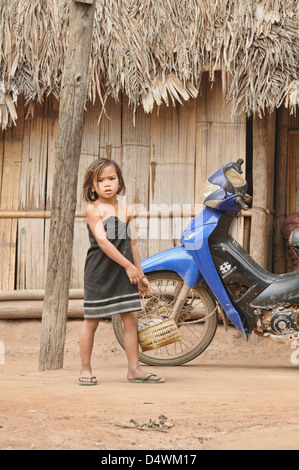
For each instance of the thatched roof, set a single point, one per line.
(155, 51)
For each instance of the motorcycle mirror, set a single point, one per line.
(235, 183)
(294, 240)
(238, 165)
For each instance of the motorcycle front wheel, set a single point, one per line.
(197, 320)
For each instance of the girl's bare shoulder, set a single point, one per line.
(93, 210)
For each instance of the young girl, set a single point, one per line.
(113, 273)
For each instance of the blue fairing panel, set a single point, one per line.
(175, 259)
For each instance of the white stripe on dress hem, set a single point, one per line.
(112, 313)
(111, 298)
(112, 305)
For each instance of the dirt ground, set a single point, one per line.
(234, 396)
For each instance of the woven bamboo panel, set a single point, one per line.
(11, 156)
(220, 139)
(165, 156)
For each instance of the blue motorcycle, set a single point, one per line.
(209, 275)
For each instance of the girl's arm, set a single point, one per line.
(96, 225)
(144, 285)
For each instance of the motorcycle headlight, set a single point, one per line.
(235, 178)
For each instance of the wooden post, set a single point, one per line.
(263, 190)
(69, 138)
(279, 255)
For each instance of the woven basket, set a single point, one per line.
(155, 336)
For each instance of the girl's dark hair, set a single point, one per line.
(93, 172)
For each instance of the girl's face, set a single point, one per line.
(107, 184)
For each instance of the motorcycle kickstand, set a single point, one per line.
(180, 301)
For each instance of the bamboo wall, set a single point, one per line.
(165, 157)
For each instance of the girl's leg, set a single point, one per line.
(131, 346)
(86, 345)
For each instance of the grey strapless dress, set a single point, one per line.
(107, 288)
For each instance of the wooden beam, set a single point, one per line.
(281, 190)
(68, 148)
(34, 294)
(263, 190)
(82, 215)
(21, 309)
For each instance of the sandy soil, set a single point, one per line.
(234, 396)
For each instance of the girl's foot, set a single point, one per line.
(149, 378)
(86, 377)
(140, 376)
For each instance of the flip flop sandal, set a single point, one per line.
(87, 383)
(144, 380)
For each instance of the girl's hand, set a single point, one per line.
(133, 274)
(144, 285)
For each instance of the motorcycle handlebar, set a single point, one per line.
(241, 203)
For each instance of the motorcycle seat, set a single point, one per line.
(283, 290)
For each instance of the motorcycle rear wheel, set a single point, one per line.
(197, 321)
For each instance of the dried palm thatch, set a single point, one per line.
(155, 51)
